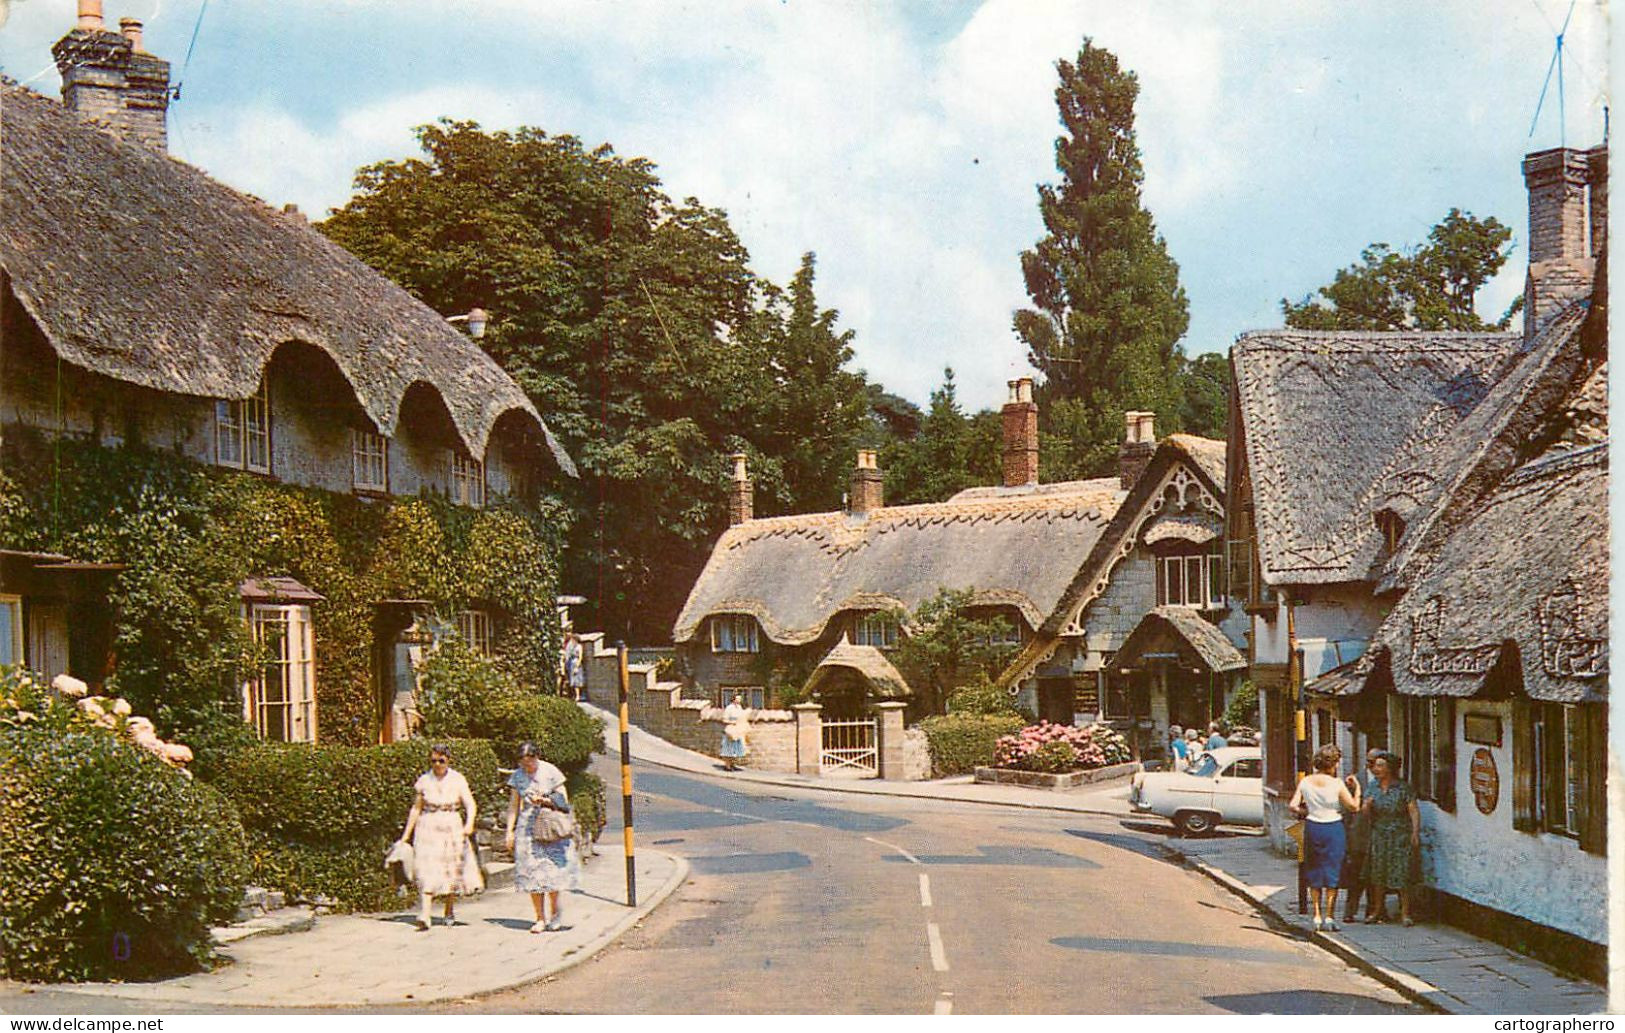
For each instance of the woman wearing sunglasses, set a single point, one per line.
(443, 852)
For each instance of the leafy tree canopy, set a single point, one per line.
(1433, 286)
(949, 645)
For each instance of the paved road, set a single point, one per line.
(809, 902)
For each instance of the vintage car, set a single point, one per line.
(1224, 786)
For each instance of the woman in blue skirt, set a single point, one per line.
(1320, 799)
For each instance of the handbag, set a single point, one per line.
(734, 732)
(550, 826)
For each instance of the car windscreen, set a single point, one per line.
(1205, 767)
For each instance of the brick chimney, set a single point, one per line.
(1568, 212)
(1020, 435)
(1139, 443)
(868, 485)
(109, 76)
(741, 502)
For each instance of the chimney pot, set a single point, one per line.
(131, 30)
(90, 16)
(1563, 241)
(1139, 444)
(868, 485)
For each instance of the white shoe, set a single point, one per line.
(539, 926)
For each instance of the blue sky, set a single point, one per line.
(902, 141)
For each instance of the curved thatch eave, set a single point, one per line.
(141, 268)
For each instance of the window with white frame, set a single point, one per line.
(876, 628)
(734, 633)
(11, 629)
(281, 700)
(474, 628)
(242, 432)
(369, 460)
(467, 480)
(752, 697)
(1190, 579)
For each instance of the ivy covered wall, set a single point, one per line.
(188, 535)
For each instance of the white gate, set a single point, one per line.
(850, 748)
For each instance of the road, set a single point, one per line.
(804, 901)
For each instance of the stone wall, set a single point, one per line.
(658, 707)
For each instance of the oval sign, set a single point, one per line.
(1484, 781)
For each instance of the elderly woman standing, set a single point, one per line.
(1320, 799)
(1396, 833)
(735, 732)
(443, 859)
(541, 867)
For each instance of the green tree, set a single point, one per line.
(1203, 385)
(1108, 310)
(947, 646)
(952, 451)
(1433, 286)
(637, 326)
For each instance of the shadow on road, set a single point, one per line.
(1175, 948)
(1305, 1002)
(747, 807)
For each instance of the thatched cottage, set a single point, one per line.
(1424, 518)
(143, 302)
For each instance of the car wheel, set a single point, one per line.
(1195, 823)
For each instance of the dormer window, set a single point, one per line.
(369, 460)
(1392, 528)
(734, 633)
(1194, 579)
(467, 480)
(876, 628)
(242, 432)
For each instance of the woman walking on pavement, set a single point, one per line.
(735, 729)
(444, 860)
(1320, 799)
(1396, 834)
(544, 864)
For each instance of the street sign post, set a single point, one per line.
(626, 781)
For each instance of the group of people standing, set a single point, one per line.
(540, 834)
(1361, 833)
(1185, 745)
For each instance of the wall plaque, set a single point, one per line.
(1484, 781)
(1481, 728)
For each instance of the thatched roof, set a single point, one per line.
(1449, 464)
(1166, 627)
(1206, 453)
(1525, 578)
(142, 268)
(882, 676)
(1324, 414)
(794, 573)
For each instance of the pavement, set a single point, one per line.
(1437, 966)
(340, 961)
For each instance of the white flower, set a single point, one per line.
(92, 707)
(69, 686)
(176, 753)
(121, 707)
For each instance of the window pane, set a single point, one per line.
(1194, 581)
(1162, 581)
(228, 433)
(10, 631)
(1574, 777)
(1215, 579)
(1176, 583)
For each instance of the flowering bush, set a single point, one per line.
(66, 706)
(1111, 743)
(1046, 747)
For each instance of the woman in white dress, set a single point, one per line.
(735, 733)
(442, 847)
(541, 868)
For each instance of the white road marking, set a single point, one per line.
(893, 846)
(939, 957)
(925, 890)
(944, 1007)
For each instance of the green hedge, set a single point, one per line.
(113, 865)
(462, 694)
(587, 799)
(961, 742)
(321, 817)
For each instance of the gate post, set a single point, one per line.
(809, 737)
(889, 744)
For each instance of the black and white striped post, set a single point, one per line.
(626, 781)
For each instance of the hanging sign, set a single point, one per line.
(1484, 781)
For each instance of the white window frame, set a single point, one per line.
(755, 696)
(1208, 569)
(734, 633)
(467, 480)
(875, 628)
(280, 701)
(474, 627)
(1554, 757)
(14, 605)
(369, 460)
(242, 431)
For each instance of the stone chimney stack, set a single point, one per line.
(741, 493)
(868, 485)
(1020, 419)
(109, 76)
(1566, 233)
(1139, 443)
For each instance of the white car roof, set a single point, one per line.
(1226, 754)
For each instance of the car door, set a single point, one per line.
(1188, 791)
(1238, 792)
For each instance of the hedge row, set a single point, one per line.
(112, 864)
(961, 742)
(464, 695)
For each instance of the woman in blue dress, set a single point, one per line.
(540, 868)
